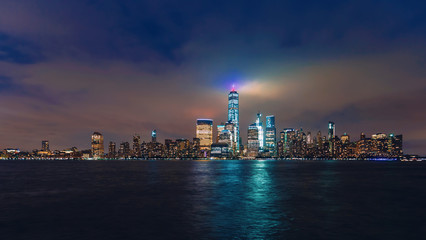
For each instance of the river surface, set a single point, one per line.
(228, 199)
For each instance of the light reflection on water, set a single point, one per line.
(239, 199)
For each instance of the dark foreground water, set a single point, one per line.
(212, 200)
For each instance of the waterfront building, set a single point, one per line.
(204, 131)
(253, 140)
(196, 148)
(270, 136)
(154, 135)
(124, 150)
(261, 137)
(220, 150)
(331, 130)
(136, 145)
(112, 150)
(220, 128)
(234, 117)
(226, 137)
(183, 146)
(155, 150)
(396, 145)
(288, 138)
(45, 146)
(170, 148)
(97, 145)
(232, 130)
(331, 140)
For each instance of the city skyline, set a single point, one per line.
(262, 142)
(68, 69)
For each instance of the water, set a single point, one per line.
(212, 200)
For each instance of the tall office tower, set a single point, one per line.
(124, 150)
(261, 133)
(331, 130)
(226, 137)
(397, 146)
(136, 145)
(97, 145)
(289, 138)
(362, 137)
(232, 130)
(234, 117)
(220, 128)
(253, 140)
(111, 149)
(309, 138)
(331, 135)
(271, 134)
(204, 132)
(45, 145)
(154, 135)
(196, 147)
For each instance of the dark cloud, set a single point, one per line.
(18, 51)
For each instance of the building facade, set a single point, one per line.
(253, 140)
(97, 145)
(271, 135)
(234, 117)
(204, 132)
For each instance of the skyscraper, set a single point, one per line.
(154, 135)
(111, 150)
(259, 125)
(97, 145)
(253, 140)
(288, 139)
(271, 134)
(124, 150)
(234, 116)
(136, 145)
(220, 128)
(331, 130)
(45, 145)
(204, 132)
(226, 137)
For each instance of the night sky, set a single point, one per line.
(69, 68)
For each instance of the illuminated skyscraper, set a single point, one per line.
(220, 128)
(253, 140)
(204, 132)
(271, 132)
(226, 137)
(259, 125)
(154, 135)
(97, 145)
(234, 117)
(288, 139)
(331, 130)
(45, 145)
(331, 135)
